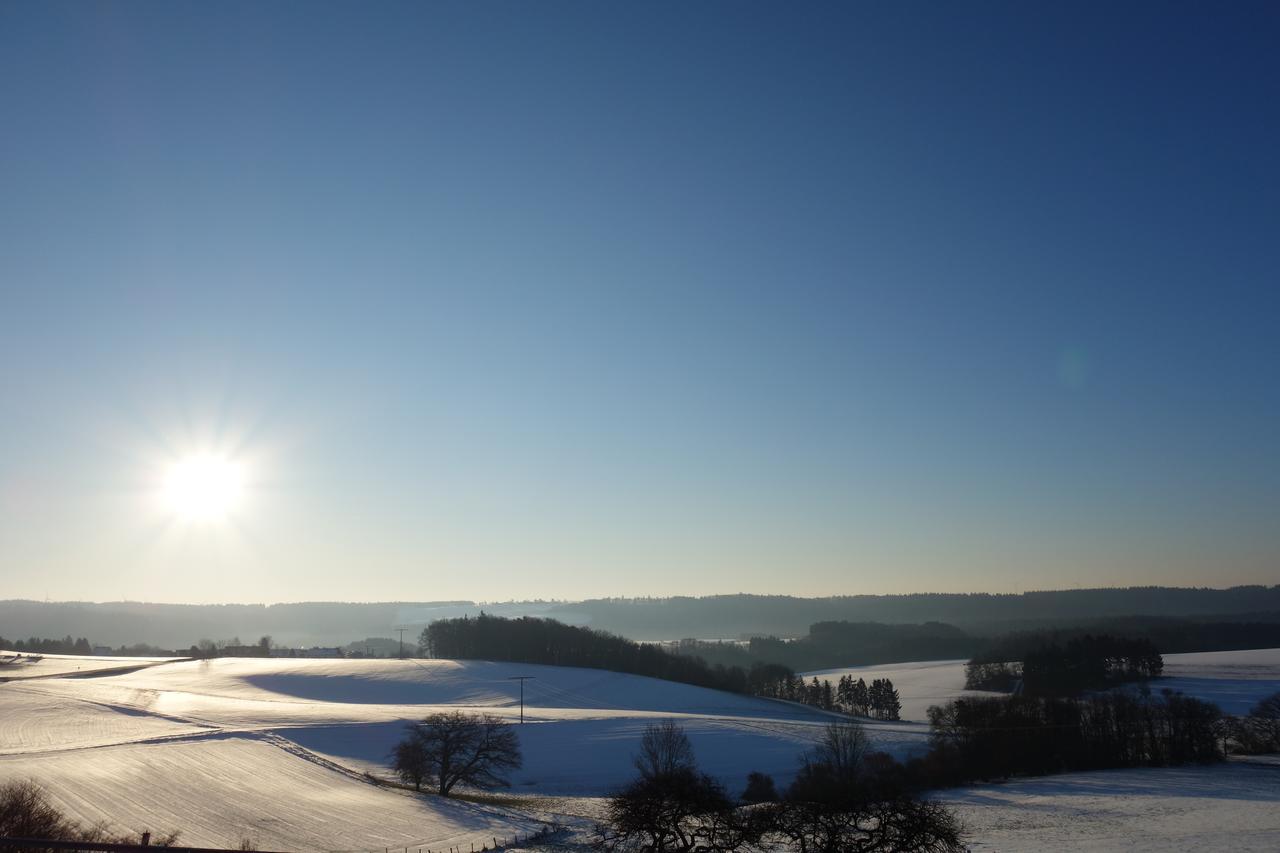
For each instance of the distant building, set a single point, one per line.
(241, 652)
(102, 650)
(313, 652)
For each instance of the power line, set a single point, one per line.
(522, 679)
(401, 629)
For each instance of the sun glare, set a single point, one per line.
(204, 487)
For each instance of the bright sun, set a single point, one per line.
(203, 487)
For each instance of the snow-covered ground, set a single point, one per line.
(21, 665)
(1227, 807)
(1235, 681)
(274, 750)
(218, 789)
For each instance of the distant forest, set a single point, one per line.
(545, 641)
(967, 616)
(984, 614)
(830, 645)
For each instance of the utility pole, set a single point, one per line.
(401, 630)
(522, 679)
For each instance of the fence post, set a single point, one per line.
(146, 839)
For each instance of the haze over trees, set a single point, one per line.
(172, 626)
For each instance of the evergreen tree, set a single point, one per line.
(860, 698)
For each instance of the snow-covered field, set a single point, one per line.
(218, 789)
(1235, 681)
(275, 750)
(20, 665)
(1225, 807)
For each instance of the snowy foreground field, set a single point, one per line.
(275, 750)
(1231, 807)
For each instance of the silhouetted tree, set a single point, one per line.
(846, 798)
(1268, 708)
(411, 760)
(760, 788)
(1259, 732)
(27, 812)
(664, 749)
(671, 806)
(473, 749)
(883, 699)
(682, 810)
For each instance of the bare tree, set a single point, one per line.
(846, 798)
(843, 748)
(472, 749)
(1268, 708)
(664, 749)
(410, 759)
(682, 810)
(25, 812)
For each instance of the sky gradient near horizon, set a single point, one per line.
(504, 301)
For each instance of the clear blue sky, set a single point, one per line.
(510, 300)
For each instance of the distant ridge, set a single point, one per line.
(717, 616)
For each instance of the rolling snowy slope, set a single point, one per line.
(20, 665)
(582, 724)
(1151, 810)
(273, 750)
(220, 789)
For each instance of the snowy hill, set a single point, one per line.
(274, 749)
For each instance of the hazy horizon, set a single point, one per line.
(481, 602)
(417, 302)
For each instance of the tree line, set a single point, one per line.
(529, 639)
(982, 738)
(979, 614)
(830, 645)
(879, 699)
(838, 644)
(37, 645)
(1081, 663)
(1258, 732)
